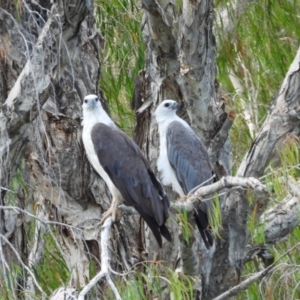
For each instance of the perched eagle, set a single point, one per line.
(183, 160)
(121, 164)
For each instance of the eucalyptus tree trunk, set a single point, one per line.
(49, 60)
(48, 63)
(180, 65)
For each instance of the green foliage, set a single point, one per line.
(185, 227)
(123, 56)
(52, 272)
(17, 183)
(215, 218)
(150, 280)
(8, 279)
(258, 52)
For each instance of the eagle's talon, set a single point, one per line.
(114, 212)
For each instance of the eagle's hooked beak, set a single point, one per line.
(93, 103)
(177, 106)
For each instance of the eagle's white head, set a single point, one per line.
(166, 110)
(91, 102)
(93, 111)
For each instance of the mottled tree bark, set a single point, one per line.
(49, 58)
(181, 66)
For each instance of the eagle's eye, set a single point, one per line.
(85, 101)
(167, 105)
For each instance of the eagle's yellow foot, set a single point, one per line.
(114, 212)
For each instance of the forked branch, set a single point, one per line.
(105, 264)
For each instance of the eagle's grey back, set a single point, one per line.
(188, 156)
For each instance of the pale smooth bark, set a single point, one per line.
(283, 118)
(181, 66)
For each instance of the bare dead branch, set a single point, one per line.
(283, 218)
(23, 265)
(105, 264)
(231, 181)
(243, 285)
(188, 202)
(45, 222)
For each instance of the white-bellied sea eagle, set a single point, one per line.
(121, 164)
(183, 160)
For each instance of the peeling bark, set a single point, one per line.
(50, 62)
(181, 66)
(283, 118)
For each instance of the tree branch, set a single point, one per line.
(190, 202)
(23, 265)
(44, 222)
(105, 264)
(283, 118)
(243, 285)
(283, 218)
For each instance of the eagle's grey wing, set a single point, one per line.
(126, 166)
(190, 161)
(188, 156)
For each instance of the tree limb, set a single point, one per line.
(23, 265)
(189, 202)
(284, 117)
(243, 285)
(105, 264)
(283, 218)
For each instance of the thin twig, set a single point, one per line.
(105, 265)
(243, 285)
(23, 265)
(45, 222)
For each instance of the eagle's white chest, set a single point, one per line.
(93, 158)
(167, 174)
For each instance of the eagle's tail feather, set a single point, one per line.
(152, 224)
(201, 219)
(165, 233)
